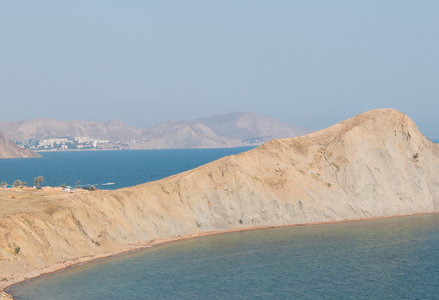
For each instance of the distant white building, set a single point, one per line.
(82, 139)
(51, 142)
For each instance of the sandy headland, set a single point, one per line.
(374, 165)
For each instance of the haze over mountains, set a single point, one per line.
(50, 128)
(227, 130)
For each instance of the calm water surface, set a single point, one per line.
(394, 258)
(108, 169)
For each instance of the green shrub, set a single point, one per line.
(17, 183)
(38, 180)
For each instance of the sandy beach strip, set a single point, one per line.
(134, 246)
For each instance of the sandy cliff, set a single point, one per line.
(375, 164)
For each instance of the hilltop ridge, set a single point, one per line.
(376, 164)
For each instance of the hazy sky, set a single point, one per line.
(308, 63)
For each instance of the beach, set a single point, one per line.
(135, 246)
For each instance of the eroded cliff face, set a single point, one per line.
(375, 164)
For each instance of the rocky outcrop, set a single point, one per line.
(4, 296)
(376, 164)
(10, 150)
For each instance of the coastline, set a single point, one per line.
(135, 246)
(124, 149)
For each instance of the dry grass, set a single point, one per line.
(25, 200)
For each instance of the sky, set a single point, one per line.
(308, 63)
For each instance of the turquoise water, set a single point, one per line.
(394, 258)
(108, 169)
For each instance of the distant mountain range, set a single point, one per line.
(49, 128)
(226, 130)
(10, 150)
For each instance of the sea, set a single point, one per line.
(394, 258)
(108, 170)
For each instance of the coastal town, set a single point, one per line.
(71, 143)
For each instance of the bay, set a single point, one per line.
(108, 169)
(396, 258)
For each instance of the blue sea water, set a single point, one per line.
(395, 258)
(108, 169)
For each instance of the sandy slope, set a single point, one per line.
(10, 150)
(375, 164)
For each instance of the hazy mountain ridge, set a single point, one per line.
(243, 126)
(227, 130)
(43, 128)
(10, 150)
(376, 164)
(185, 134)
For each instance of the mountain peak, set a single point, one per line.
(372, 124)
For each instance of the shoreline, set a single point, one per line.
(135, 246)
(135, 149)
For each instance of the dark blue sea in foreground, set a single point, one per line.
(395, 258)
(108, 169)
